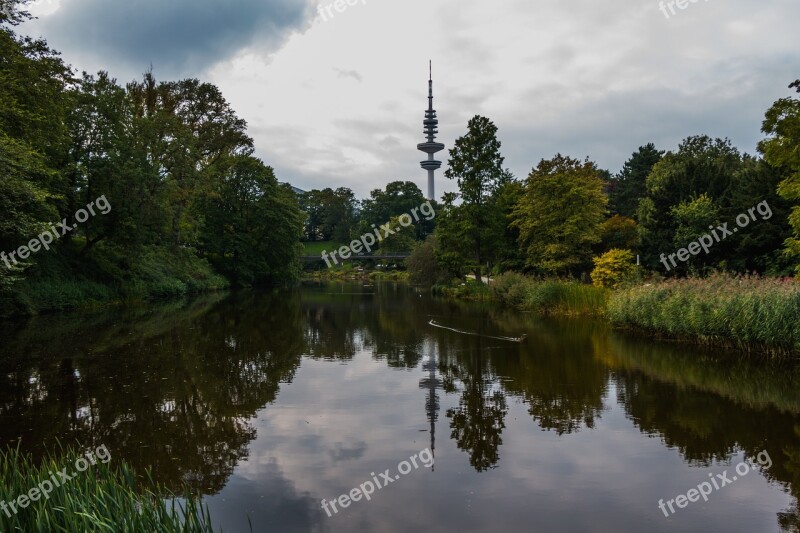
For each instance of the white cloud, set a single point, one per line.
(341, 102)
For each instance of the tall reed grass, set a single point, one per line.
(103, 498)
(549, 297)
(749, 313)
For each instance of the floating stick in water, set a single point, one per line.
(512, 339)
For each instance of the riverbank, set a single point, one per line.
(750, 314)
(65, 279)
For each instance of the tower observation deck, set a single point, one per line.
(431, 146)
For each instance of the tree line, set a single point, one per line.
(569, 215)
(172, 157)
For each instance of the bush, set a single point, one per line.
(423, 268)
(613, 269)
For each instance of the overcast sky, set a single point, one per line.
(340, 102)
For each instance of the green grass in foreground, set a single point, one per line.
(106, 497)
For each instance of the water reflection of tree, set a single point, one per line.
(175, 396)
(704, 419)
(477, 423)
(555, 373)
(343, 320)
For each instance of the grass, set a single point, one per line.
(103, 498)
(549, 297)
(748, 313)
(317, 247)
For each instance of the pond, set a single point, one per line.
(408, 413)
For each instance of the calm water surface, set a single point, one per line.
(270, 402)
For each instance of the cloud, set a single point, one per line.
(340, 103)
(349, 74)
(179, 38)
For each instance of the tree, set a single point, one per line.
(559, 215)
(619, 232)
(477, 166)
(629, 186)
(253, 225)
(399, 198)
(692, 220)
(701, 165)
(450, 234)
(401, 240)
(505, 247)
(330, 215)
(33, 105)
(780, 149)
(760, 248)
(423, 268)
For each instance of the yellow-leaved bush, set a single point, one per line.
(614, 268)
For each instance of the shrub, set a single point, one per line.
(423, 268)
(613, 268)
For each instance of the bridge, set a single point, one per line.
(359, 257)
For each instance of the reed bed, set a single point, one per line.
(749, 313)
(106, 497)
(549, 297)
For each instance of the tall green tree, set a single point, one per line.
(330, 214)
(692, 220)
(398, 198)
(560, 214)
(701, 165)
(33, 137)
(477, 166)
(629, 186)
(252, 224)
(759, 247)
(506, 249)
(782, 150)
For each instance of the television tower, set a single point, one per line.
(431, 147)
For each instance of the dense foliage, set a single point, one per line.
(614, 268)
(568, 212)
(781, 150)
(172, 159)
